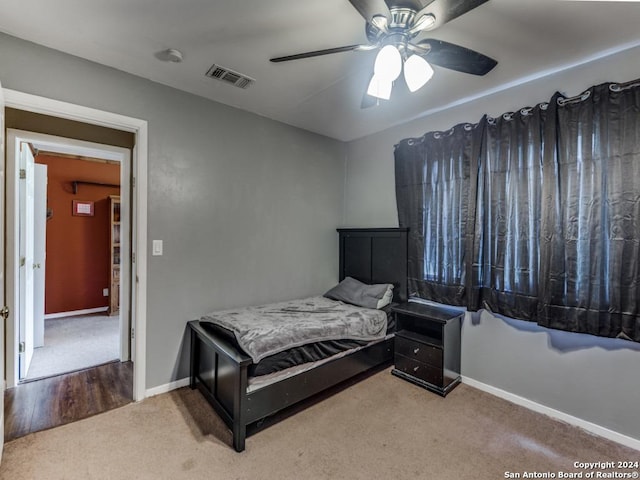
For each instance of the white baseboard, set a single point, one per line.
(557, 414)
(167, 387)
(75, 313)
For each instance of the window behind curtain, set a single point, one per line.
(590, 247)
(507, 224)
(535, 215)
(435, 186)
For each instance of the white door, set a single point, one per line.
(2, 299)
(39, 252)
(26, 191)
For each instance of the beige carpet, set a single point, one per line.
(381, 428)
(75, 343)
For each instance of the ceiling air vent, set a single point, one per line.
(229, 76)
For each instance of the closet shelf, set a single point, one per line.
(75, 184)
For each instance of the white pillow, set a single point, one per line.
(386, 298)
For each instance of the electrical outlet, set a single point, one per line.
(105, 292)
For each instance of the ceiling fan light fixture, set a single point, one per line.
(388, 64)
(380, 87)
(425, 22)
(417, 72)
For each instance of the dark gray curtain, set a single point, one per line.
(590, 239)
(534, 215)
(436, 179)
(507, 224)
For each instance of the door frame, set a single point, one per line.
(41, 177)
(139, 161)
(15, 138)
(2, 286)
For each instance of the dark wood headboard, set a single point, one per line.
(375, 255)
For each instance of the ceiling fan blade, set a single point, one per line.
(455, 57)
(317, 53)
(370, 8)
(447, 10)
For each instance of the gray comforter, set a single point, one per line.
(269, 329)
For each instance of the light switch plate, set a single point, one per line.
(156, 249)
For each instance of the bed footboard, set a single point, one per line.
(219, 371)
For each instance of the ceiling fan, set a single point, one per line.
(393, 28)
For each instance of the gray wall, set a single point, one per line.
(247, 207)
(597, 380)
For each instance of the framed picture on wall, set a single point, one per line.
(82, 208)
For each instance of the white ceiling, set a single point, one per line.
(323, 94)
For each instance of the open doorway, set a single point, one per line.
(76, 272)
(38, 113)
(83, 318)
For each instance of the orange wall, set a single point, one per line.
(77, 266)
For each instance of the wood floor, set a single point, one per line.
(55, 401)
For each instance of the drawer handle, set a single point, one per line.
(415, 369)
(416, 350)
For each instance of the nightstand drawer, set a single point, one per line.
(419, 370)
(418, 351)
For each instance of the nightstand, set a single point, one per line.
(427, 346)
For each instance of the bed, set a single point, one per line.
(225, 373)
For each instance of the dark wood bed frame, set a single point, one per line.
(219, 370)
